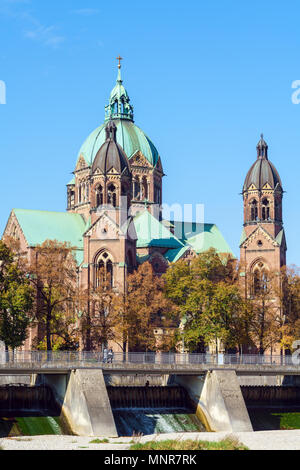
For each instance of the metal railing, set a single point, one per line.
(63, 359)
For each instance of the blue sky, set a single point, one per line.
(205, 79)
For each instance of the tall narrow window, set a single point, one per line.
(99, 196)
(145, 188)
(112, 195)
(253, 210)
(265, 210)
(104, 270)
(260, 278)
(136, 188)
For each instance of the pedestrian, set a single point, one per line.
(105, 355)
(110, 356)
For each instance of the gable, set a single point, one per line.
(138, 159)
(104, 228)
(259, 239)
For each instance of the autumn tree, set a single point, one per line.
(289, 296)
(146, 310)
(101, 315)
(16, 300)
(52, 272)
(265, 299)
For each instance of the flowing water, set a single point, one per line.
(29, 411)
(150, 410)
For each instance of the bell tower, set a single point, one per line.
(263, 243)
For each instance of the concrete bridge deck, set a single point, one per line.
(35, 362)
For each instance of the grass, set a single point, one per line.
(99, 441)
(42, 425)
(271, 419)
(288, 420)
(229, 443)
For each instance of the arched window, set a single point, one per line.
(99, 196)
(265, 210)
(260, 278)
(112, 195)
(104, 270)
(253, 210)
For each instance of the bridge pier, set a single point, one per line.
(83, 398)
(218, 399)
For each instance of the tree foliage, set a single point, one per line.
(16, 300)
(147, 310)
(52, 272)
(211, 306)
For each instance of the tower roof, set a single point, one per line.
(110, 155)
(262, 171)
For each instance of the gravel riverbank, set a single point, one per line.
(260, 440)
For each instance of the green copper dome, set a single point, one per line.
(129, 136)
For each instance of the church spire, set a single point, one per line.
(119, 106)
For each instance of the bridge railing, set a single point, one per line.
(61, 359)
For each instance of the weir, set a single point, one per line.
(153, 409)
(271, 395)
(25, 398)
(95, 404)
(148, 397)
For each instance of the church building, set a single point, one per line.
(114, 200)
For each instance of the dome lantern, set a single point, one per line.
(119, 106)
(262, 148)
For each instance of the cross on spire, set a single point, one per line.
(119, 59)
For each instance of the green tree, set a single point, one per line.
(16, 300)
(211, 307)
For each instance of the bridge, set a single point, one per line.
(62, 362)
(211, 381)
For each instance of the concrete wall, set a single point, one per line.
(222, 397)
(136, 380)
(269, 380)
(84, 401)
(15, 379)
(86, 404)
(219, 401)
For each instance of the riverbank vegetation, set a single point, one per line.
(229, 443)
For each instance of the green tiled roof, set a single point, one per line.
(210, 237)
(175, 254)
(151, 232)
(38, 226)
